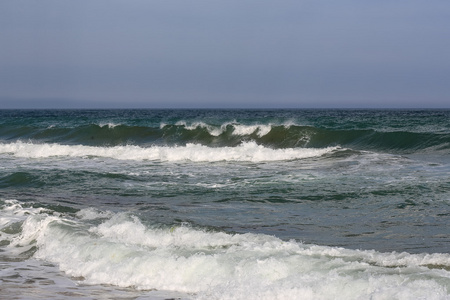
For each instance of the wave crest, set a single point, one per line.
(231, 134)
(250, 152)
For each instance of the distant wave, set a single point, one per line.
(229, 134)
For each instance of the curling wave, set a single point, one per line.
(230, 134)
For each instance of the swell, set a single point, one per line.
(106, 135)
(20, 179)
(397, 141)
(230, 135)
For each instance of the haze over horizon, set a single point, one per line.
(224, 54)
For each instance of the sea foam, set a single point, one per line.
(236, 128)
(124, 251)
(250, 151)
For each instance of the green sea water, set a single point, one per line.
(225, 204)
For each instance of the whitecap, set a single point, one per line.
(246, 152)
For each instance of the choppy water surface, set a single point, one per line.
(235, 204)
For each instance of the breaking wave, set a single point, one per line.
(101, 247)
(250, 152)
(230, 134)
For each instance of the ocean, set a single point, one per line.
(224, 204)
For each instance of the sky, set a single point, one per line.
(224, 54)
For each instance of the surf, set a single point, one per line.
(121, 249)
(246, 152)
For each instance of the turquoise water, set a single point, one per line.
(225, 204)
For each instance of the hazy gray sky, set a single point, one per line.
(229, 53)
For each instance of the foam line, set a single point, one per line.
(191, 152)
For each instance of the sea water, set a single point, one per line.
(225, 204)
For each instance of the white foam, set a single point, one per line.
(109, 125)
(238, 129)
(122, 251)
(260, 130)
(250, 152)
(12, 211)
(12, 214)
(92, 213)
(213, 130)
